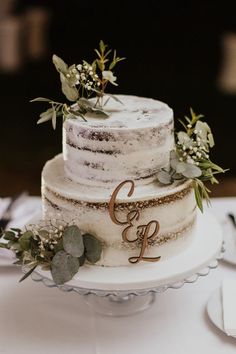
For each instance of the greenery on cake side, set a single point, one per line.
(191, 158)
(60, 248)
(79, 83)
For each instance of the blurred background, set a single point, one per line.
(180, 52)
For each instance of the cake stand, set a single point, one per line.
(119, 291)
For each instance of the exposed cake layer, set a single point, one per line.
(173, 207)
(133, 143)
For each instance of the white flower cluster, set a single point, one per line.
(47, 235)
(86, 76)
(192, 149)
(195, 148)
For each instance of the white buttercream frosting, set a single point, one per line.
(133, 143)
(172, 206)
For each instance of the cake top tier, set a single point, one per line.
(134, 142)
(134, 112)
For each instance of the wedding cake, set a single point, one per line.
(127, 185)
(133, 144)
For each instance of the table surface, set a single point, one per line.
(36, 319)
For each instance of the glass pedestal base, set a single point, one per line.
(119, 305)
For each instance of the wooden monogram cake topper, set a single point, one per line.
(143, 233)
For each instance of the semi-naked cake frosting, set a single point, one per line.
(133, 144)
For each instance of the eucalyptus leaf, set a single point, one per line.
(60, 65)
(45, 116)
(64, 267)
(198, 198)
(93, 248)
(82, 259)
(73, 241)
(100, 112)
(28, 273)
(188, 170)
(73, 114)
(174, 160)
(54, 119)
(58, 246)
(71, 93)
(164, 177)
(24, 240)
(9, 235)
(43, 233)
(40, 99)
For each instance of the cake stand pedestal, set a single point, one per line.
(120, 291)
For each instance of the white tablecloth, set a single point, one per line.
(35, 319)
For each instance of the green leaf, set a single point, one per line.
(102, 46)
(188, 170)
(82, 259)
(60, 65)
(3, 245)
(28, 273)
(198, 197)
(43, 233)
(164, 177)
(10, 236)
(99, 112)
(15, 229)
(54, 119)
(71, 93)
(73, 241)
(64, 267)
(77, 114)
(25, 239)
(40, 99)
(58, 246)
(93, 248)
(45, 116)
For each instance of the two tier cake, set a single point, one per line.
(132, 145)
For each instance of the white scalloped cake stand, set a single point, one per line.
(129, 289)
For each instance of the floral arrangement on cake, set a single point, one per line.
(79, 83)
(191, 159)
(53, 245)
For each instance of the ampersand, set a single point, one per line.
(142, 230)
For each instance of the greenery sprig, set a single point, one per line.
(191, 160)
(58, 247)
(81, 82)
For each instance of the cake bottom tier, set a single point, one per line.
(171, 208)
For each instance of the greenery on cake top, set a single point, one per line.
(53, 245)
(79, 83)
(191, 158)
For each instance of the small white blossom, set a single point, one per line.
(189, 126)
(79, 67)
